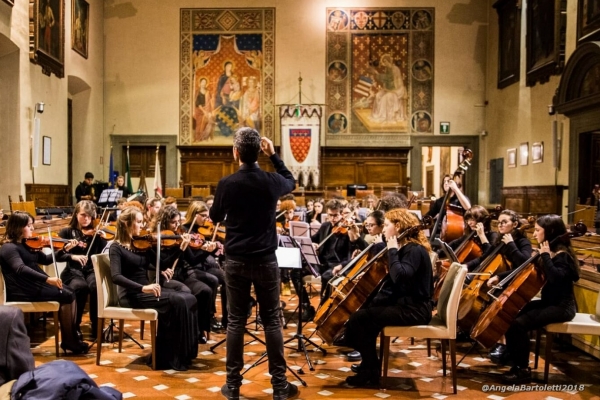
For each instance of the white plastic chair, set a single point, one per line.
(108, 307)
(442, 325)
(581, 324)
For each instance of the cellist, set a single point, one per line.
(557, 304)
(457, 197)
(516, 250)
(404, 299)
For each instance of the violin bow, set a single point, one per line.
(189, 231)
(215, 232)
(158, 257)
(53, 255)
(95, 234)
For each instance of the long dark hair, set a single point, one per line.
(554, 227)
(479, 214)
(15, 224)
(165, 215)
(87, 207)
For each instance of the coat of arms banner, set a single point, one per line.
(300, 138)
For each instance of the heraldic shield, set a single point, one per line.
(300, 143)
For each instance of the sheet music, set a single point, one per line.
(288, 257)
(306, 246)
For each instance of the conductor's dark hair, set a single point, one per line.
(247, 143)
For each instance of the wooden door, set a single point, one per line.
(142, 160)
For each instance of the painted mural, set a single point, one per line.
(227, 64)
(380, 69)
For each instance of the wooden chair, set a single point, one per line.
(442, 325)
(174, 192)
(32, 307)
(108, 307)
(582, 324)
(28, 206)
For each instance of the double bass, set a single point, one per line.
(358, 289)
(512, 294)
(449, 219)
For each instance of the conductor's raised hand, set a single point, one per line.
(266, 145)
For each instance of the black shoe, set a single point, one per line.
(230, 393)
(202, 339)
(308, 314)
(287, 392)
(250, 305)
(354, 356)
(355, 368)
(364, 379)
(79, 348)
(499, 355)
(517, 375)
(215, 325)
(341, 341)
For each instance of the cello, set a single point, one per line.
(360, 286)
(512, 294)
(449, 219)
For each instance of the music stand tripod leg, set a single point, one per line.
(262, 359)
(109, 333)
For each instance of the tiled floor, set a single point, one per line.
(413, 374)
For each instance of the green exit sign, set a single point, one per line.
(445, 127)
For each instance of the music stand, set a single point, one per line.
(110, 196)
(448, 250)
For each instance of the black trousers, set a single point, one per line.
(364, 327)
(83, 283)
(534, 315)
(240, 276)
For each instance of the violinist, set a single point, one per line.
(112, 217)
(404, 299)
(309, 206)
(457, 197)
(374, 226)
(203, 266)
(79, 272)
(153, 206)
(209, 201)
(85, 190)
(177, 337)
(371, 202)
(560, 267)
(334, 248)
(26, 281)
(175, 269)
(315, 214)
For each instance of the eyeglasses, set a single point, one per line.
(370, 225)
(333, 215)
(504, 222)
(203, 215)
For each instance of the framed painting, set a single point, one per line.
(509, 42)
(524, 153)
(511, 156)
(80, 10)
(47, 150)
(47, 35)
(537, 152)
(546, 31)
(227, 65)
(588, 20)
(379, 74)
(9, 2)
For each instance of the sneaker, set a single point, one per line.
(287, 392)
(286, 289)
(230, 393)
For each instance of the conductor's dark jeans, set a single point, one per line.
(239, 276)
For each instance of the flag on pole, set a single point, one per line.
(111, 173)
(157, 181)
(128, 173)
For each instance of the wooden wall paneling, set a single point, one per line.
(533, 199)
(45, 195)
(339, 173)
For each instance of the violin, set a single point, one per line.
(168, 239)
(110, 231)
(208, 230)
(37, 242)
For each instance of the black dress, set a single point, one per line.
(26, 281)
(177, 336)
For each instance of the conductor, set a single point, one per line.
(248, 199)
